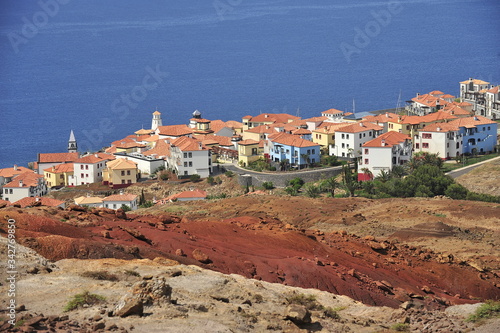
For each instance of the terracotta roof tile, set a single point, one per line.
(248, 142)
(389, 139)
(28, 178)
(121, 197)
(121, 164)
(175, 130)
(10, 172)
(332, 111)
(293, 141)
(273, 118)
(188, 144)
(44, 201)
(475, 81)
(470, 122)
(87, 200)
(57, 157)
(262, 129)
(359, 127)
(161, 149)
(61, 168)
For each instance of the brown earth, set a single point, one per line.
(380, 252)
(483, 179)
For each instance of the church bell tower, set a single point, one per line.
(72, 145)
(156, 120)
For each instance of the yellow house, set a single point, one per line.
(59, 175)
(248, 151)
(325, 135)
(410, 125)
(120, 172)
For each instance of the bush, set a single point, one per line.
(331, 313)
(296, 183)
(132, 273)
(400, 327)
(229, 174)
(164, 176)
(210, 180)
(291, 190)
(456, 191)
(147, 204)
(85, 298)
(312, 191)
(488, 310)
(195, 178)
(268, 185)
(126, 208)
(330, 160)
(309, 301)
(100, 275)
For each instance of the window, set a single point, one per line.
(313, 151)
(86, 175)
(458, 145)
(129, 181)
(185, 173)
(114, 205)
(425, 145)
(407, 127)
(364, 135)
(62, 176)
(426, 136)
(11, 191)
(190, 155)
(343, 154)
(185, 155)
(366, 151)
(417, 145)
(81, 175)
(347, 136)
(360, 135)
(185, 164)
(123, 173)
(190, 164)
(81, 166)
(309, 152)
(343, 136)
(343, 145)
(128, 172)
(366, 161)
(123, 181)
(86, 167)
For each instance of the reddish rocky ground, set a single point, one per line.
(248, 237)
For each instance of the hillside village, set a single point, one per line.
(435, 122)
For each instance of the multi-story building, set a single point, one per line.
(27, 184)
(189, 156)
(297, 151)
(383, 153)
(60, 175)
(492, 97)
(350, 138)
(120, 173)
(89, 169)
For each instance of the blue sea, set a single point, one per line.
(101, 68)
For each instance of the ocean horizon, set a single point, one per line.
(101, 68)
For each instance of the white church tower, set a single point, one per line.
(156, 120)
(72, 145)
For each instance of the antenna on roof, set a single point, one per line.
(398, 104)
(354, 107)
(298, 111)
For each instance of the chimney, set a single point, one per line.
(37, 199)
(361, 124)
(439, 129)
(121, 192)
(20, 183)
(266, 116)
(383, 143)
(15, 167)
(96, 155)
(418, 94)
(476, 118)
(387, 115)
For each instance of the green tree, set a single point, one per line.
(383, 176)
(456, 191)
(290, 190)
(210, 180)
(195, 178)
(268, 185)
(329, 185)
(296, 182)
(126, 208)
(311, 190)
(349, 182)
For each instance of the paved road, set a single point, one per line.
(462, 171)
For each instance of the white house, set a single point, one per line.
(88, 169)
(47, 160)
(493, 103)
(473, 91)
(188, 156)
(89, 201)
(383, 153)
(117, 200)
(349, 139)
(439, 138)
(146, 163)
(27, 184)
(333, 115)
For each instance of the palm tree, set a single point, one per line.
(306, 159)
(329, 185)
(383, 176)
(367, 172)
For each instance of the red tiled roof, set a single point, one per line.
(175, 130)
(262, 129)
(121, 197)
(121, 164)
(359, 127)
(293, 141)
(494, 90)
(273, 118)
(4, 202)
(429, 100)
(389, 139)
(44, 201)
(28, 178)
(436, 92)
(234, 124)
(332, 111)
(61, 168)
(470, 122)
(162, 149)
(439, 127)
(224, 141)
(316, 119)
(301, 131)
(188, 144)
(106, 156)
(248, 142)
(10, 172)
(381, 118)
(475, 81)
(123, 141)
(144, 131)
(89, 159)
(57, 157)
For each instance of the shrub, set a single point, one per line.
(312, 191)
(164, 176)
(291, 190)
(268, 185)
(147, 204)
(85, 298)
(100, 275)
(488, 310)
(309, 301)
(296, 183)
(229, 174)
(131, 272)
(126, 208)
(210, 180)
(400, 327)
(195, 178)
(331, 313)
(456, 191)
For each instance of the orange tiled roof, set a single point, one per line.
(44, 201)
(156, 113)
(301, 131)
(447, 96)
(57, 157)
(273, 118)
(293, 141)
(89, 159)
(440, 127)
(144, 131)
(87, 200)
(28, 178)
(121, 164)
(162, 149)
(200, 120)
(436, 116)
(454, 109)
(381, 118)
(429, 100)
(470, 122)
(188, 144)
(332, 111)
(359, 127)
(262, 129)
(61, 168)
(121, 197)
(389, 139)
(123, 141)
(175, 130)
(494, 90)
(6, 202)
(248, 142)
(436, 92)
(234, 124)
(221, 140)
(329, 128)
(106, 156)
(10, 172)
(110, 150)
(475, 81)
(152, 138)
(217, 125)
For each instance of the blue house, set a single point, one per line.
(478, 134)
(297, 151)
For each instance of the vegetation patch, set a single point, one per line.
(85, 298)
(100, 275)
(308, 301)
(488, 310)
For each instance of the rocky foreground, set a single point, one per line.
(160, 295)
(239, 265)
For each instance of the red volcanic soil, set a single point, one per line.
(370, 271)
